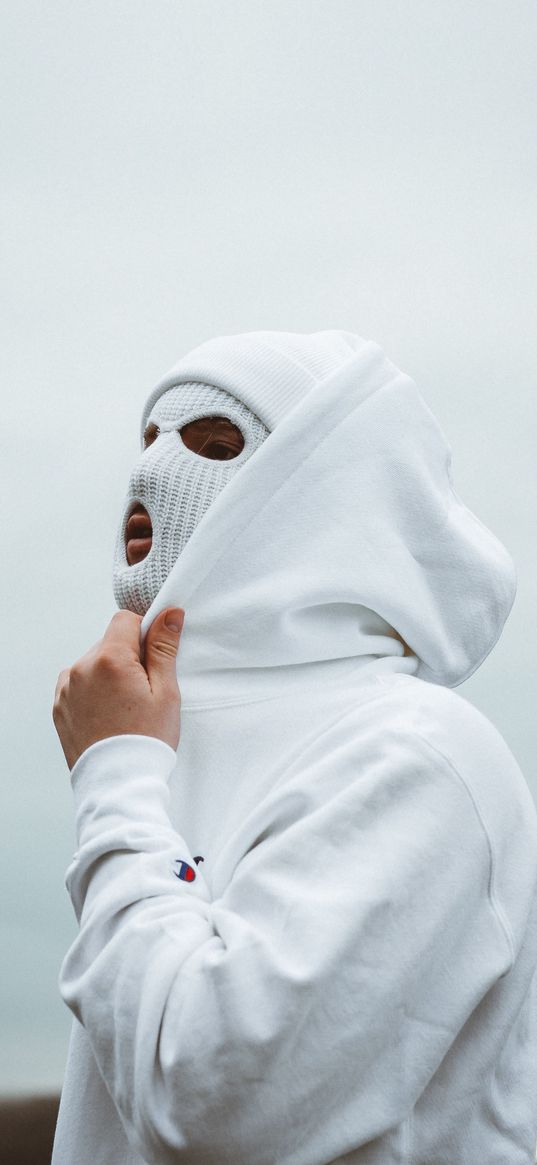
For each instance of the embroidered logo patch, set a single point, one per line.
(185, 872)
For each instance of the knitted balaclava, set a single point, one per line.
(176, 485)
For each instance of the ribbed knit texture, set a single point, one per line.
(176, 485)
(269, 371)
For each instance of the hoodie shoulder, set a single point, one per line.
(480, 758)
(459, 730)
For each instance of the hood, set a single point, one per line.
(343, 535)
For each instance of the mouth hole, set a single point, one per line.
(138, 534)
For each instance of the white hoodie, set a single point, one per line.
(310, 936)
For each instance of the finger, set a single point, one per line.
(123, 633)
(60, 683)
(161, 644)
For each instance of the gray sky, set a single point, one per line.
(179, 170)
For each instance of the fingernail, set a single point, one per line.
(174, 620)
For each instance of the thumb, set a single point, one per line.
(161, 644)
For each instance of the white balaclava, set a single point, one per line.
(176, 485)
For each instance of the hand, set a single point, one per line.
(111, 690)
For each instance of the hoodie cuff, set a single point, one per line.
(118, 759)
(122, 797)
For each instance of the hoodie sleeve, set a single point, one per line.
(311, 1003)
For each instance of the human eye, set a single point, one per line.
(214, 437)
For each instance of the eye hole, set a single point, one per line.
(214, 437)
(151, 433)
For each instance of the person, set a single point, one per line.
(305, 878)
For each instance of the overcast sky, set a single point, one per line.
(177, 170)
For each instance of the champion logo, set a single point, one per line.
(185, 871)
